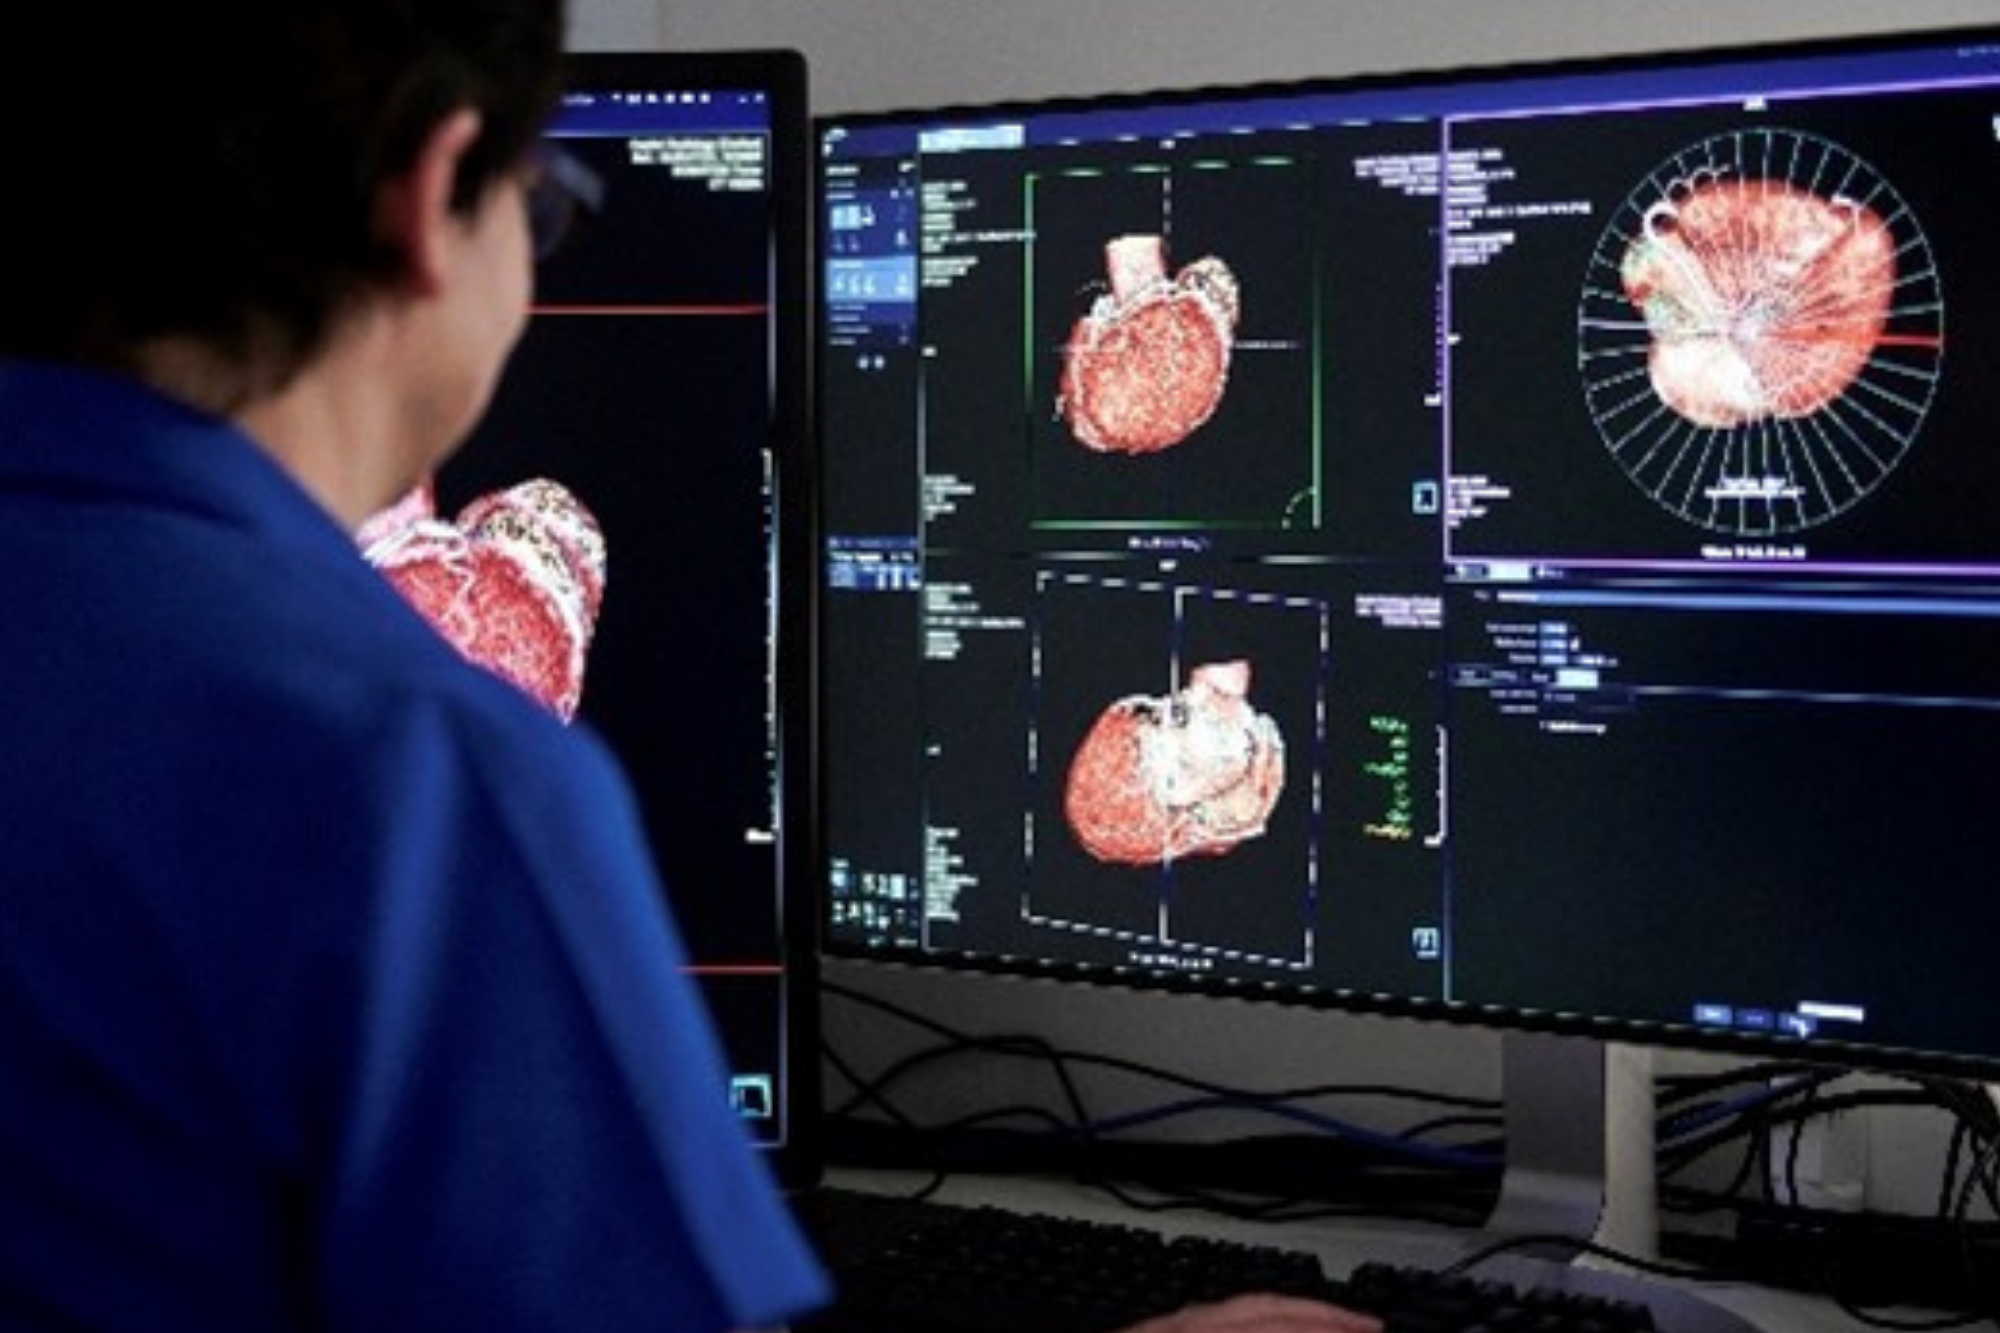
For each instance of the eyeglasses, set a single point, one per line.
(559, 185)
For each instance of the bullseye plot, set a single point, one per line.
(1761, 332)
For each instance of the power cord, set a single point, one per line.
(1762, 1109)
(1450, 1181)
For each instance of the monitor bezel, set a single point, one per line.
(781, 75)
(1832, 1051)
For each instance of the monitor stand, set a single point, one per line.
(1580, 1162)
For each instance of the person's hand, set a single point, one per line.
(1261, 1314)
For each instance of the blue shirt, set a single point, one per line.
(336, 986)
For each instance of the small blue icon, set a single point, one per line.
(750, 1096)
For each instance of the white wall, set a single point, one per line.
(614, 25)
(874, 54)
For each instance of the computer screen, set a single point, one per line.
(1508, 545)
(626, 534)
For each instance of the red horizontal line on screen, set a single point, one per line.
(683, 311)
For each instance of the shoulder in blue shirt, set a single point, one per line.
(336, 985)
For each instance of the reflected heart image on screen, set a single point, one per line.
(514, 581)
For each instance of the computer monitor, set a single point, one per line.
(1515, 546)
(657, 411)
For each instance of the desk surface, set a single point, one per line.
(1340, 1243)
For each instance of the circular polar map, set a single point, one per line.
(1760, 332)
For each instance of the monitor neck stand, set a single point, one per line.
(1580, 1163)
(1579, 1122)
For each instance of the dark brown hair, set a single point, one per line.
(209, 167)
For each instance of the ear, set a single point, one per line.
(413, 214)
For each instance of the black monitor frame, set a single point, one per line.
(894, 533)
(1413, 104)
(701, 676)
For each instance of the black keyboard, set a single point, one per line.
(903, 1266)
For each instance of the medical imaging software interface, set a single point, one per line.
(1526, 540)
(634, 425)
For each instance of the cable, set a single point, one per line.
(1158, 1073)
(1823, 1247)
(1215, 1096)
(1764, 1107)
(1085, 1141)
(1982, 1169)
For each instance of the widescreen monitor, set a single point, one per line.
(1512, 545)
(648, 444)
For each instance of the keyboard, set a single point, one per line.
(905, 1266)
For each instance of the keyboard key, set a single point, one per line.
(901, 1266)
